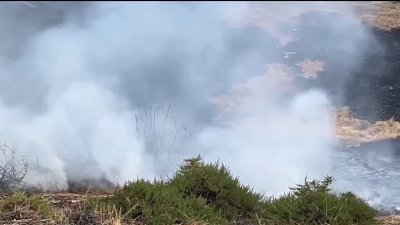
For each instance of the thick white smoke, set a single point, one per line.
(69, 96)
(85, 122)
(69, 91)
(272, 136)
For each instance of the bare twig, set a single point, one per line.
(12, 170)
(157, 127)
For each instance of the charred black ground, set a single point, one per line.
(372, 89)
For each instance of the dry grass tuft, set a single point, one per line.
(353, 131)
(57, 208)
(311, 68)
(22, 209)
(195, 222)
(110, 215)
(390, 220)
(385, 15)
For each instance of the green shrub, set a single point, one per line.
(159, 203)
(313, 203)
(214, 183)
(208, 194)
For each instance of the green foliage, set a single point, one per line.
(313, 203)
(214, 183)
(160, 203)
(208, 194)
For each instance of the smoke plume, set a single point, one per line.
(124, 90)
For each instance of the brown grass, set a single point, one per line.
(390, 220)
(111, 216)
(384, 15)
(57, 208)
(310, 68)
(353, 132)
(73, 206)
(21, 209)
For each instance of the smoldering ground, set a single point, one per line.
(81, 85)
